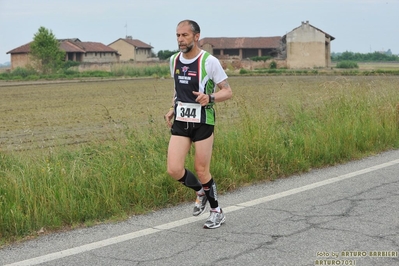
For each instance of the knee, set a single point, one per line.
(175, 172)
(202, 173)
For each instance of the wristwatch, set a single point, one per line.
(211, 98)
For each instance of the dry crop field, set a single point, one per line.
(379, 65)
(42, 115)
(45, 115)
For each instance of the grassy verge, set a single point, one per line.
(161, 70)
(273, 127)
(115, 71)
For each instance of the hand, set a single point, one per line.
(202, 99)
(169, 116)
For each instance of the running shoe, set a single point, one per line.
(200, 204)
(215, 220)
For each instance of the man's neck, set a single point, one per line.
(193, 53)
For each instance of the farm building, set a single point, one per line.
(304, 47)
(132, 49)
(307, 47)
(76, 50)
(241, 48)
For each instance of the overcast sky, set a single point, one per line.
(357, 25)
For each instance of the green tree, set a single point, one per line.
(45, 52)
(165, 54)
(369, 57)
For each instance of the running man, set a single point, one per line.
(191, 118)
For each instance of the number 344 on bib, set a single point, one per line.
(188, 112)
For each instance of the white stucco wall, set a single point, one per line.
(306, 48)
(100, 57)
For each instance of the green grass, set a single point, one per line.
(161, 70)
(117, 70)
(272, 128)
(347, 64)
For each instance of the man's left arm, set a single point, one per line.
(224, 93)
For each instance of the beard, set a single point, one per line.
(188, 48)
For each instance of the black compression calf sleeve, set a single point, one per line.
(189, 180)
(211, 193)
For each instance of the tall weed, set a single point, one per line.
(272, 128)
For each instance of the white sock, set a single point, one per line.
(200, 192)
(217, 209)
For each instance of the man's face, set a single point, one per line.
(185, 37)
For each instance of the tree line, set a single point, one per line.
(47, 57)
(369, 57)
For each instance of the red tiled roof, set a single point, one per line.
(70, 39)
(94, 47)
(135, 43)
(71, 46)
(23, 49)
(242, 42)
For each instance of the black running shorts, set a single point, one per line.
(194, 131)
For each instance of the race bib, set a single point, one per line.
(188, 112)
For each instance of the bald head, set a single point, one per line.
(193, 25)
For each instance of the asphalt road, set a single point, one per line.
(341, 215)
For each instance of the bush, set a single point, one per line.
(243, 71)
(4, 76)
(260, 58)
(22, 72)
(347, 64)
(16, 77)
(137, 71)
(272, 71)
(32, 77)
(273, 65)
(71, 72)
(68, 64)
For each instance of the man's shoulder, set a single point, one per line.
(173, 56)
(208, 56)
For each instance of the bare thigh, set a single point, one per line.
(177, 152)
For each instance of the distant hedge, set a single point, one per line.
(347, 64)
(369, 57)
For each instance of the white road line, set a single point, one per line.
(315, 185)
(174, 224)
